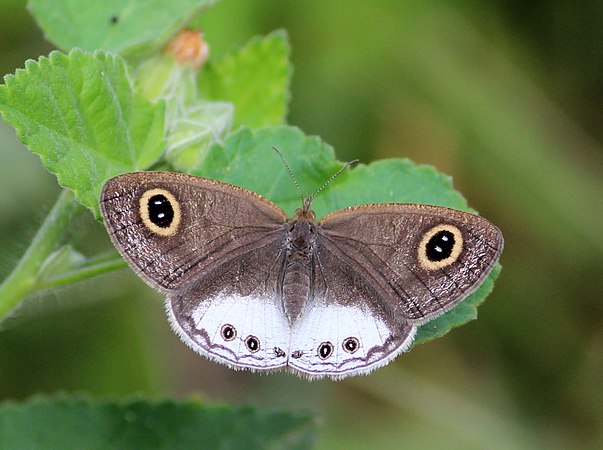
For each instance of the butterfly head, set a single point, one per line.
(305, 213)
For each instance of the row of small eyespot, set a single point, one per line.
(325, 349)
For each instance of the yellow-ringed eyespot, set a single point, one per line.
(160, 211)
(440, 247)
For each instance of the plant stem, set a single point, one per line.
(92, 268)
(24, 278)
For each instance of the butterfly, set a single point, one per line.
(251, 288)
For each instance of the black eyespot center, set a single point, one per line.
(325, 350)
(228, 332)
(252, 343)
(440, 246)
(351, 344)
(161, 211)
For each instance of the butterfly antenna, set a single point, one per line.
(333, 177)
(301, 194)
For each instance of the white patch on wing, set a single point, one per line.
(259, 317)
(334, 323)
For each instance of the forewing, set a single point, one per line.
(212, 221)
(383, 243)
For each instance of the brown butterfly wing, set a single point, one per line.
(385, 244)
(212, 222)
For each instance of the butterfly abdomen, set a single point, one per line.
(297, 269)
(296, 289)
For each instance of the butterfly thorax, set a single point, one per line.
(297, 269)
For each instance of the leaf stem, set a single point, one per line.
(92, 268)
(24, 278)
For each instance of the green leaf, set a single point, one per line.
(80, 114)
(122, 26)
(247, 160)
(191, 135)
(192, 124)
(77, 423)
(255, 79)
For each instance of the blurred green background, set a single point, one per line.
(504, 96)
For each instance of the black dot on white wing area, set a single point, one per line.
(228, 332)
(252, 343)
(351, 344)
(325, 350)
